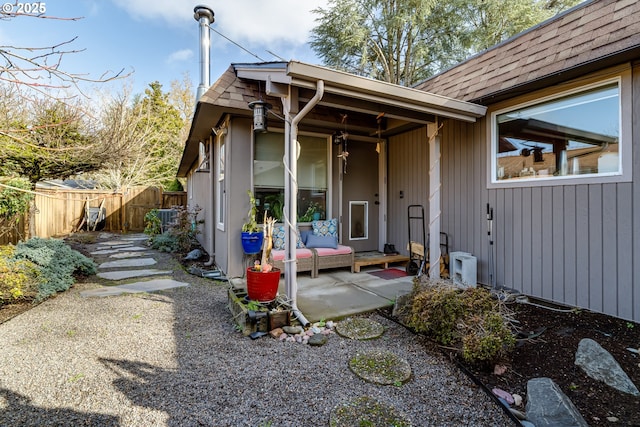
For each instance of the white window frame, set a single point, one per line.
(220, 181)
(624, 173)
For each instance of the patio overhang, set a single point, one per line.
(361, 94)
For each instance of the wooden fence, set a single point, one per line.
(59, 212)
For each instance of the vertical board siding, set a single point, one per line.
(569, 238)
(609, 248)
(577, 244)
(624, 252)
(408, 166)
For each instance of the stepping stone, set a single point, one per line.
(132, 288)
(380, 367)
(366, 411)
(358, 328)
(114, 243)
(115, 250)
(122, 263)
(128, 255)
(128, 274)
(136, 237)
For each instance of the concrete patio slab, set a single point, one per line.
(128, 274)
(337, 294)
(132, 288)
(123, 263)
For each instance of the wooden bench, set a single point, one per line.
(381, 259)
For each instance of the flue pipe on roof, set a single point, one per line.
(204, 16)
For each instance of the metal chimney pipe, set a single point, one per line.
(204, 15)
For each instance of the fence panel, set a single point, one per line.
(61, 211)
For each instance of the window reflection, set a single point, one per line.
(573, 135)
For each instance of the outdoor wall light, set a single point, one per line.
(260, 110)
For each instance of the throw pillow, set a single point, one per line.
(328, 227)
(314, 241)
(279, 240)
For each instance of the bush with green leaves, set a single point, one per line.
(18, 277)
(14, 201)
(470, 319)
(152, 223)
(165, 242)
(57, 263)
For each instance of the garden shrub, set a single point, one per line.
(57, 263)
(181, 233)
(470, 319)
(165, 242)
(18, 277)
(152, 223)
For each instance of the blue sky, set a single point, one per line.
(158, 39)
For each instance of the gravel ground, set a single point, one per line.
(175, 359)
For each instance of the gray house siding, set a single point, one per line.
(408, 172)
(574, 244)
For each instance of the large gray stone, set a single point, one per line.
(548, 406)
(123, 263)
(600, 365)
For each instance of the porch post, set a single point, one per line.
(434, 200)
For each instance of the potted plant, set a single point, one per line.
(263, 278)
(252, 237)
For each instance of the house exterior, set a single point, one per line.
(541, 130)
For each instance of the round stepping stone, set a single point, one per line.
(358, 328)
(366, 411)
(380, 367)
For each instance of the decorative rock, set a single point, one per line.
(519, 415)
(504, 395)
(315, 329)
(283, 337)
(330, 324)
(517, 399)
(613, 419)
(275, 333)
(358, 328)
(318, 340)
(504, 402)
(309, 333)
(600, 365)
(548, 406)
(193, 255)
(292, 330)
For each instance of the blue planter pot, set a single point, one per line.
(252, 242)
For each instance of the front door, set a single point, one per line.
(360, 197)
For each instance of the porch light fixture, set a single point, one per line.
(260, 110)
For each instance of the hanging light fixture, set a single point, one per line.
(260, 110)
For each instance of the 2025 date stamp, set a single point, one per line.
(24, 8)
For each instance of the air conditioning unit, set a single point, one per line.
(167, 216)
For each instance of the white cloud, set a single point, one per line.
(264, 23)
(180, 56)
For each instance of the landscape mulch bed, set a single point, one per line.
(552, 355)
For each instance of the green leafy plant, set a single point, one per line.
(152, 223)
(13, 201)
(18, 278)
(251, 224)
